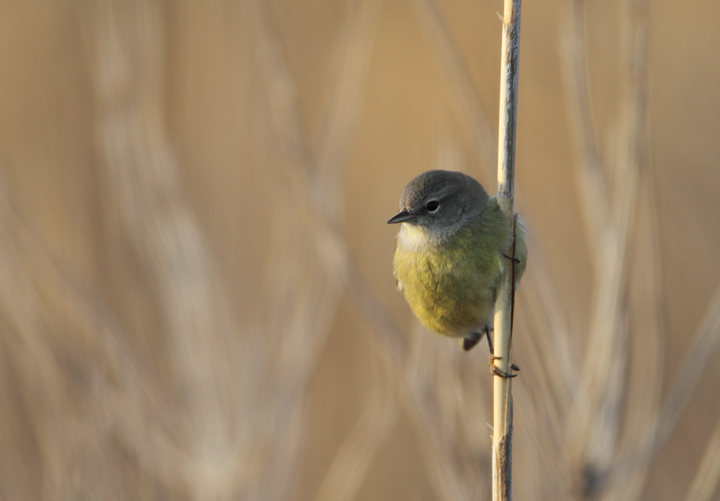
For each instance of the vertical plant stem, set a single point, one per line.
(502, 401)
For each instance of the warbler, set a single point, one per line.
(450, 253)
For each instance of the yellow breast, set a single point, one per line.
(448, 288)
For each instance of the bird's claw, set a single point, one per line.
(498, 372)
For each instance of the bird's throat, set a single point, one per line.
(413, 237)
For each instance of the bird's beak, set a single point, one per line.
(401, 217)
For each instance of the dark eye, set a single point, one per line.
(432, 206)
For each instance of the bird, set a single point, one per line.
(450, 254)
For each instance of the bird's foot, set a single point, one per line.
(500, 373)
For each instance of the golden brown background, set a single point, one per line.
(196, 297)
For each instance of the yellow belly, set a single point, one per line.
(451, 292)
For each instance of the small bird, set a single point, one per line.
(450, 253)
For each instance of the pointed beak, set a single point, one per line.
(402, 217)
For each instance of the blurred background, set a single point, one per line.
(196, 291)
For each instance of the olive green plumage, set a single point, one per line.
(449, 253)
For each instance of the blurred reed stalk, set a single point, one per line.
(609, 451)
(502, 391)
(594, 423)
(148, 207)
(708, 473)
(310, 207)
(311, 261)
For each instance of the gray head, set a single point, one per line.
(441, 202)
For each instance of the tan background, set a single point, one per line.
(196, 297)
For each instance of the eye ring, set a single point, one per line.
(432, 206)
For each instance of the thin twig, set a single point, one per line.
(502, 396)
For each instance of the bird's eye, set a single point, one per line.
(432, 206)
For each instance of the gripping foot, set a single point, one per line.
(498, 372)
